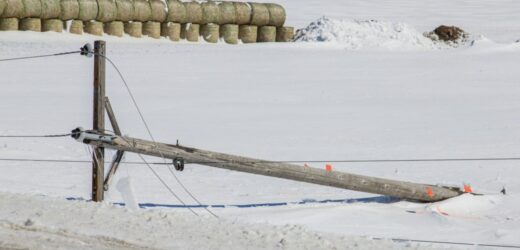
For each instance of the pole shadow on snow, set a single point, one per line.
(375, 199)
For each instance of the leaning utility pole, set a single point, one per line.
(184, 155)
(181, 155)
(98, 154)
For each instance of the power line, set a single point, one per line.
(165, 185)
(252, 162)
(369, 160)
(150, 132)
(447, 242)
(37, 136)
(39, 56)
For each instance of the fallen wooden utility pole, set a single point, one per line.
(400, 189)
(181, 155)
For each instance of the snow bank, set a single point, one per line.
(359, 34)
(38, 222)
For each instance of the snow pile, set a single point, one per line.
(359, 34)
(37, 222)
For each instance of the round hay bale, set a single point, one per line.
(14, 8)
(88, 10)
(125, 10)
(190, 32)
(152, 29)
(259, 14)
(69, 9)
(176, 12)
(7, 24)
(3, 4)
(248, 33)
(228, 14)
(55, 25)
(76, 27)
(114, 28)
(94, 28)
(171, 30)
(193, 12)
(276, 14)
(142, 11)
(31, 24)
(107, 11)
(51, 9)
(243, 12)
(284, 34)
(230, 33)
(158, 8)
(32, 8)
(210, 32)
(266, 34)
(210, 13)
(134, 29)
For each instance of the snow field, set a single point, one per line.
(298, 101)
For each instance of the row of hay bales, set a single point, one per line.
(206, 17)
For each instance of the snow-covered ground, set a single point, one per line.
(297, 101)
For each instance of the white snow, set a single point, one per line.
(295, 101)
(365, 34)
(37, 222)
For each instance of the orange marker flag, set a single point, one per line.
(328, 167)
(467, 188)
(429, 191)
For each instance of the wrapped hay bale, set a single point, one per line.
(51, 9)
(230, 33)
(2, 7)
(31, 24)
(14, 8)
(55, 25)
(114, 28)
(94, 28)
(107, 11)
(7, 24)
(210, 32)
(69, 9)
(193, 12)
(134, 29)
(259, 14)
(152, 29)
(88, 10)
(266, 34)
(171, 30)
(158, 8)
(210, 13)
(190, 32)
(284, 34)
(276, 14)
(248, 33)
(142, 11)
(243, 13)
(76, 27)
(227, 13)
(125, 10)
(32, 8)
(176, 12)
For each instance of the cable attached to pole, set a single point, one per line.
(87, 51)
(37, 136)
(39, 56)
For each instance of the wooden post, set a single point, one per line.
(400, 189)
(98, 156)
(119, 153)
